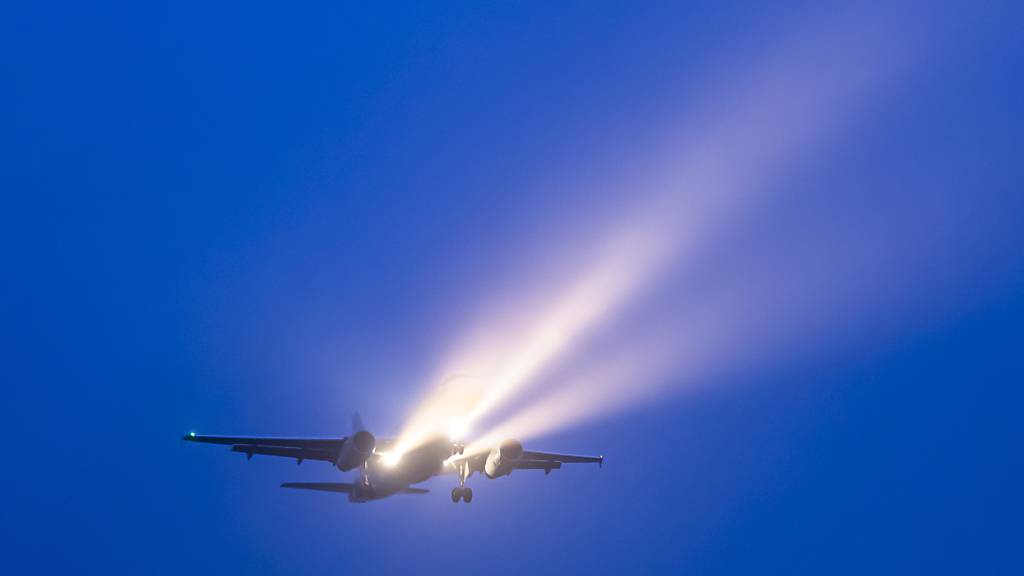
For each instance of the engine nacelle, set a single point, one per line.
(356, 449)
(502, 459)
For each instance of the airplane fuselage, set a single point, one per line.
(382, 479)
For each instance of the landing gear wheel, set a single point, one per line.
(456, 494)
(467, 495)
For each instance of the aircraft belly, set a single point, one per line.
(401, 476)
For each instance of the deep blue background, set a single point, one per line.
(255, 219)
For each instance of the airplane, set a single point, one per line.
(381, 474)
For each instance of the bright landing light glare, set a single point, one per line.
(457, 430)
(390, 459)
(693, 188)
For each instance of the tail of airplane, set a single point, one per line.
(357, 423)
(356, 493)
(342, 487)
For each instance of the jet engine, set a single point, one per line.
(356, 449)
(502, 459)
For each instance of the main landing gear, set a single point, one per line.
(465, 494)
(461, 492)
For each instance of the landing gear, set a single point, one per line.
(461, 492)
(464, 494)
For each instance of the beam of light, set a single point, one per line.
(499, 371)
(596, 392)
(666, 357)
(694, 186)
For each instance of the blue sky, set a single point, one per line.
(255, 219)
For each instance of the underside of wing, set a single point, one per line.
(298, 453)
(326, 449)
(546, 465)
(527, 460)
(529, 455)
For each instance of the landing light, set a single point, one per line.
(192, 434)
(389, 459)
(456, 430)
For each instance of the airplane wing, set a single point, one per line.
(326, 449)
(545, 465)
(549, 458)
(546, 461)
(533, 460)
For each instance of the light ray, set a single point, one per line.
(695, 186)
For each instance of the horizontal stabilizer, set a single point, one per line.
(344, 487)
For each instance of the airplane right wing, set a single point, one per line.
(547, 461)
(326, 449)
